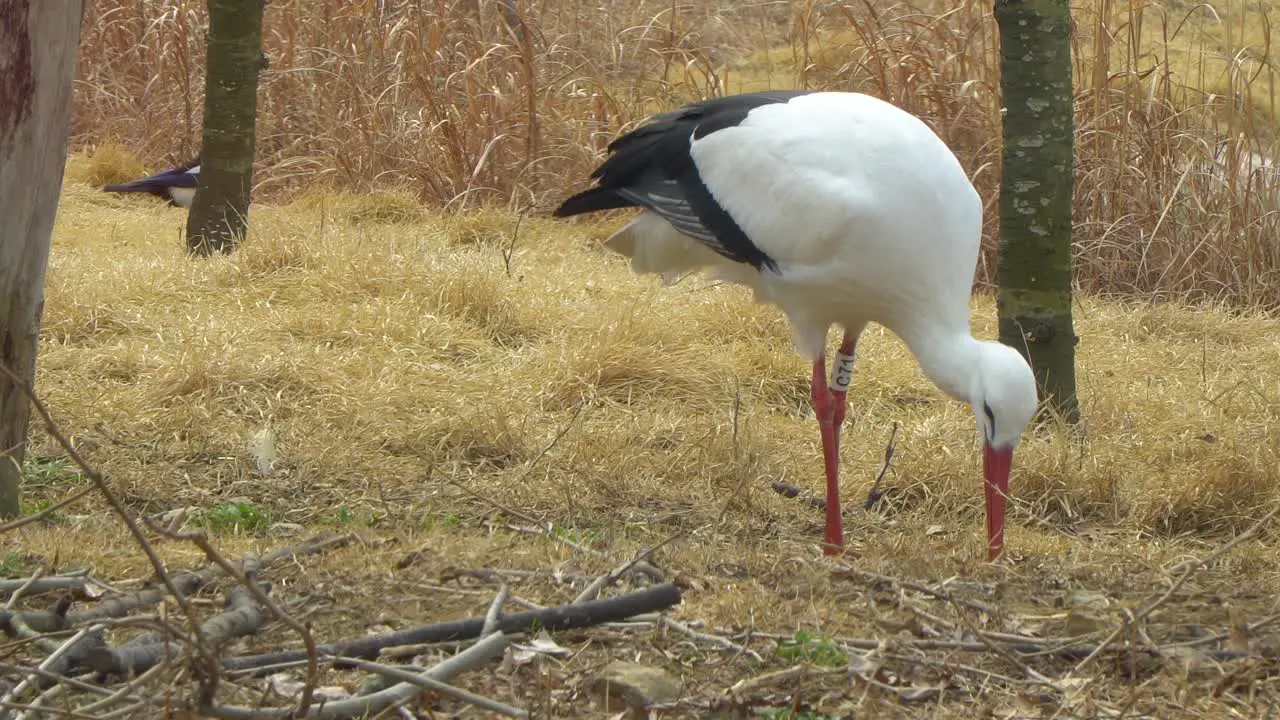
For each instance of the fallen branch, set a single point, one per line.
(1049, 647)
(245, 579)
(494, 616)
(16, 691)
(120, 605)
(368, 705)
(118, 507)
(425, 680)
(73, 654)
(37, 584)
(112, 606)
(243, 616)
(564, 617)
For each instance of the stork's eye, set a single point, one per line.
(991, 416)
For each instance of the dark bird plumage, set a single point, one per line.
(176, 185)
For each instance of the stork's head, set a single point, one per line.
(1004, 402)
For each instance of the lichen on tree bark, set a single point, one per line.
(1036, 189)
(219, 215)
(38, 48)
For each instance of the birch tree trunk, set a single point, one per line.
(1034, 262)
(39, 43)
(219, 214)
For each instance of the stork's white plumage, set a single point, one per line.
(840, 209)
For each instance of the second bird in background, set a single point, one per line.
(177, 185)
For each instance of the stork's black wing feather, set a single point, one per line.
(651, 167)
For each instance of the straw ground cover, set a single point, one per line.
(427, 373)
(413, 379)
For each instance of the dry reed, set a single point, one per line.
(460, 105)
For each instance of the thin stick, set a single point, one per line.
(706, 637)
(26, 585)
(55, 677)
(1208, 640)
(366, 705)
(6, 705)
(126, 692)
(874, 494)
(17, 690)
(427, 682)
(51, 427)
(313, 671)
(37, 584)
(1188, 569)
(1000, 649)
(1250, 532)
(868, 577)
(19, 522)
(493, 618)
(639, 561)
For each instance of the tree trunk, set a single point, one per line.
(39, 41)
(1036, 187)
(220, 212)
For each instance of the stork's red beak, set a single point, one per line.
(995, 471)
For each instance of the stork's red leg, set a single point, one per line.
(841, 375)
(825, 408)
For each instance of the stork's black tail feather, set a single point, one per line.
(593, 200)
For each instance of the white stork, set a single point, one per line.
(840, 209)
(177, 185)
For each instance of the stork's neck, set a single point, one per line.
(949, 358)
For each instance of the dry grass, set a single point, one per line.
(399, 364)
(409, 360)
(445, 104)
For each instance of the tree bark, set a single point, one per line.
(39, 42)
(1038, 179)
(219, 214)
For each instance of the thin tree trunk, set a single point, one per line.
(1036, 194)
(39, 41)
(220, 212)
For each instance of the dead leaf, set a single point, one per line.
(921, 693)
(1239, 638)
(542, 644)
(285, 685)
(330, 693)
(262, 448)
